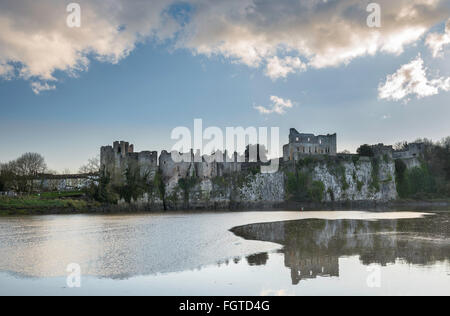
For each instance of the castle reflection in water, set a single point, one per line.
(313, 247)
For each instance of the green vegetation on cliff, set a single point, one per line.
(429, 180)
(300, 187)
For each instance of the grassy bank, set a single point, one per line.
(49, 203)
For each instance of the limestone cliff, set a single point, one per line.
(362, 180)
(210, 185)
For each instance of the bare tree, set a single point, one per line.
(30, 164)
(401, 146)
(66, 171)
(92, 166)
(445, 142)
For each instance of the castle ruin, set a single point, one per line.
(301, 145)
(121, 156)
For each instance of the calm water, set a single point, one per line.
(244, 253)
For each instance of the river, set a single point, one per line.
(228, 253)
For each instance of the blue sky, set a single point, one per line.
(162, 84)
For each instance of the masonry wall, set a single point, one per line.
(116, 159)
(203, 183)
(301, 145)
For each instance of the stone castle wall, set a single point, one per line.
(301, 145)
(202, 182)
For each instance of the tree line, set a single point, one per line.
(429, 180)
(17, 175)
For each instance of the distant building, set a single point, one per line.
(413, 150)
(301, 145)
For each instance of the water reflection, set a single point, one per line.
(125, 246)
(259, 259)
(313, 247)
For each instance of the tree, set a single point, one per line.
(66, 171)
(25, 168)
(6, 177)
(29, 165)
(365, 150)
(401, 146)
(92, 166)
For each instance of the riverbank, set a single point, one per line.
(47, 203)
(66, 204)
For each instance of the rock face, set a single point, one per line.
(214, 185)
(364, 180)
(264, 187)
(238, 190)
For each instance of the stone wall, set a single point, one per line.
(116, 159)
(218, 184)
(202, 182)
(301, 145)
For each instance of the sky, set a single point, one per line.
(135, 70)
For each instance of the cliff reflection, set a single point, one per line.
(313, 247)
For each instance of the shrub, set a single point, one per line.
(103, 191)
(365, 151)
(317, 191)
(187, 184)
(331, 193)
(359, 185)
(375, 183)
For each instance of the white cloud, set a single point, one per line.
(34, 34)
(436, 41)
(411, 79)
(280, 68)
(325, 33)
(38, 87)
(278, 106)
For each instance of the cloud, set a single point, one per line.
(280, 68)
(324, 33)
(35, 40)
(436, 41)
(38, 87)
(411, 79)
(278, 106)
